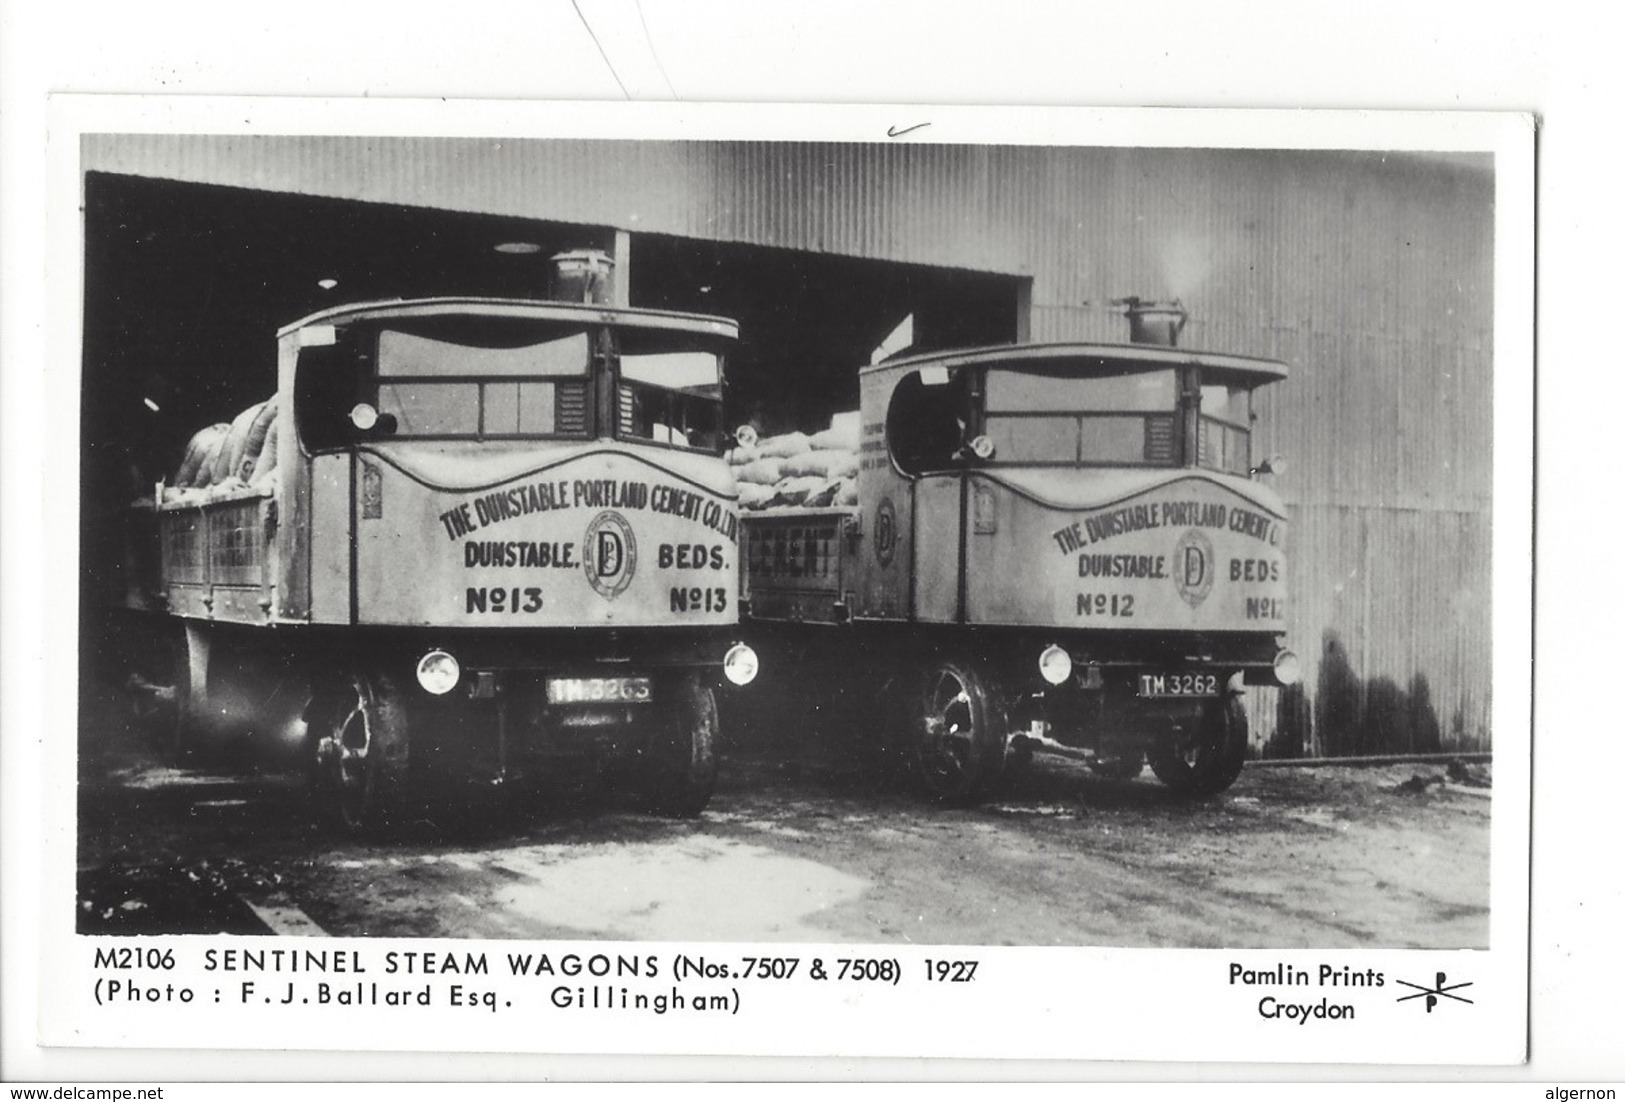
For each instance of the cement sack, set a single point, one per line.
(740, 454)
(782, 446)
(198, 450)
(762, 472)
(823, 497)
(841, 436)
(236, 437)
(825, 464)
(752, 496)
(263, 474)
(244, 461)
(185, 495)
(795, 491)
(840, 494)
(231, 487)
(211, 456)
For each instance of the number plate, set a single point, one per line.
(1179, 684)
(597, 690)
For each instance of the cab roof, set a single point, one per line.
(515, 309)
(1083, 360)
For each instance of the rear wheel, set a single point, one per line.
(680, 766)
(357, 752)
(1207, 758)
(955, 732)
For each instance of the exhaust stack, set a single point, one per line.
(1156, 323)
(583, 275)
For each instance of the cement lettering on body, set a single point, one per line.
(1098, 527)
(500, 506)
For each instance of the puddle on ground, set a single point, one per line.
(1314, 816)
(1051, 811)
(713, 889)
(164, 777)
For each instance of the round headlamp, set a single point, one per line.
(1055, 664)
(740, 664)
(438, 672)
(1286, 668)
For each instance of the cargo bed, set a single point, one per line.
(798, 562)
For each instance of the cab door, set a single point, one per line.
(939, 547)
(928, 418)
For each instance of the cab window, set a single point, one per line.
(1118, 420)
(438, 387)
(669, 391)
(929, 420)
(457, 378)
(1224, 429)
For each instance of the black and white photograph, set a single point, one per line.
(902, 542)
(601, 577)
(705, 543)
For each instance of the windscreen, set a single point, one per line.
(438, 387)
(1119, 420)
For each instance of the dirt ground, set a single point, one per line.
(805, 847)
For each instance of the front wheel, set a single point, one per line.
(1206, 759)
(357, 752)
(955, 732)
(680, 766)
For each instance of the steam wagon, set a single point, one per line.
(1059, 547)
(465, 537)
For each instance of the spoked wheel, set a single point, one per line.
(357, 753)
(1208, 758)
(956, 733)
(680, 766)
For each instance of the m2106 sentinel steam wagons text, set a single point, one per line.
(481, 538)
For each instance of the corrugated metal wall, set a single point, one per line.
(1370, 275)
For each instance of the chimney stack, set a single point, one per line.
(583, 275)
(1156, 323)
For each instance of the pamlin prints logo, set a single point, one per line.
(1439, 990)
(610, 554)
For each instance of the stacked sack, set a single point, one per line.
(229, 460)
(794, 469)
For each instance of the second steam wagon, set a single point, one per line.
(1066, 547)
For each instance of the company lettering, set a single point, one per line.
(1130, 518)
(1122, 566)
(1095, 528)
(498, 506)
(519, 553)
(793, 551)
(1266, 608)
(1254, 570)
(684, 556)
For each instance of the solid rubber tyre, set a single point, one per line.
(680, 765)
(1208, 760)
(955, 732)
(358, 753)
